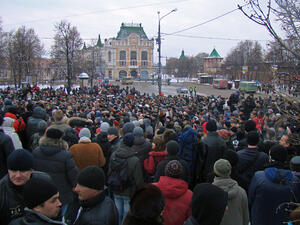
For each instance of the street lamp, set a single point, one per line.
(159, 48)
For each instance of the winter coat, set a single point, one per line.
(134, 168)
(60, 125)
(97, 210)
(53, 158)
(32, 217)
(177, 200)
(160, 169)
(6, 147)
(33, 121)
(18, 123)
(237, 213)
(114, 144)
(215, 148)
(11, 198)
(8, 129)
(267, 191)
(141, 147)
(86, 153)
(152, 161)
(250, 161)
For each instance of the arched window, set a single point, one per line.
(144, 55)
(133, 55)
(122, 55)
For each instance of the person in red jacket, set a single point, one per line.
(177, 195)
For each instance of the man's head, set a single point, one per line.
(90, 182)
(284, 141)
(173, 147)
(222, 168)
(20, 166)
(41, 195)
(252, 138)
(112, 133)
(211, 126)
(58, 115)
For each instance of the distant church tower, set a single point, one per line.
(212, 63)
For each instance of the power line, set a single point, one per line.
(200, 24)
(97, 11)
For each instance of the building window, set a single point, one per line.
(144, 61)
(109, 56)
(122, 58)
(133, 58)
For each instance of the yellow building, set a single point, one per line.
(130, 54)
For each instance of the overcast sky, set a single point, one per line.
(95, 17)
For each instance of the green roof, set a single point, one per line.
(214, 54)
(99, 44)
(84, 46)
(182, 55)
(128, 29)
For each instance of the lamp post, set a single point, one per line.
(159, 48)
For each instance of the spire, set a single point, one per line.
(99, 44)
(214, 54)
(84, 46)
(182, 55)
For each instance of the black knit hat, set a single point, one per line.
(20, 159)
(113, 130)
(147, 202)
(252, 138)
(38, 190)
(211, 126)
(278, 153)
(173, 169)
(92, 177)
(128, 139)
(54, 133)
(250, 125)
(173, 147)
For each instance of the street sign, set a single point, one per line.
(245, 68)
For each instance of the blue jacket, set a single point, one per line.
(267, 191)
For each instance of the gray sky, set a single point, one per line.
(95, 17)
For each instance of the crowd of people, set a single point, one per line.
(111, 155)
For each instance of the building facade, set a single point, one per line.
(130, 54)
(213, 63)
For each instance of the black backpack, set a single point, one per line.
(118, 178)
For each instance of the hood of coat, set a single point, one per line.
(227, 184)
(279, 176)
(7, 122)
(172, 187)
(50, 146)
(124, 151)
(188, 135)
(139, 140)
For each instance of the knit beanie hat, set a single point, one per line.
(250, 125)
(147, 202)
(252, 138)
(295, 164)
(54, 133)
(173, 169)
(211, 126)
(278, 153)
(127, 127)
(38, 190)
(113, 130)
(20, 159)
(128, 139)
(138, 132)
(92, 177)
(104, 127)
(222, 168)
(173, 147)
(85, 132)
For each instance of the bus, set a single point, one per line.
(248, 86)
(220, 83)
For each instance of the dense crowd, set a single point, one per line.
(111, 155)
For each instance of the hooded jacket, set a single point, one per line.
(8, 129)
(267, 191)
(177, 197)
(53, 158)
(237, 213)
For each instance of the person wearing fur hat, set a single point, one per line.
(146, 207)
(93, 206)
(208, 205)
(216, 147)
(177, 195)
(42, 207)
(20, 165)
(52, 156)
(237, 213)
(86, 153)
(269, 189)
(134, 171)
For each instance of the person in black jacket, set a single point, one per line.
(20, 171)
(93, 207)
(42, 207)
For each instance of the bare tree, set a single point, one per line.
(24, 46)
(286, 12)
(2, 46)
(67, 43)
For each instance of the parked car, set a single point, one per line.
(182, 90)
